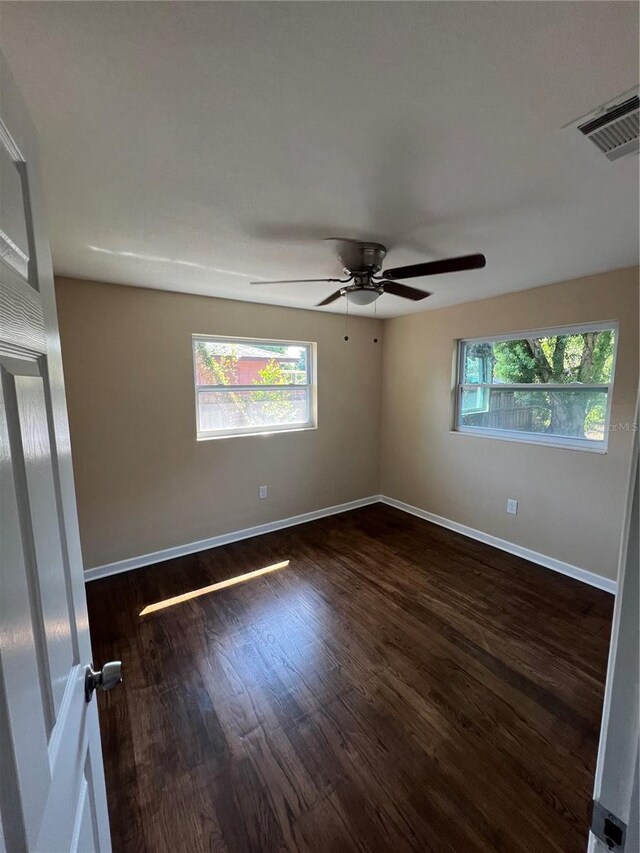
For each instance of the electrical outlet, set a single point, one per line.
(262, 493)
(512, 506)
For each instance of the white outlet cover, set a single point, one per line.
(512, 506)
(262, 492)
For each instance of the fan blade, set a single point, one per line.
(298, 281)
(403, 290)
(330, 299)
(466, 262)
(343, 240)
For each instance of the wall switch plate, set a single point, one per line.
(512, 506)
(262, 492)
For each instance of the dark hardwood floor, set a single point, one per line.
(396, 687)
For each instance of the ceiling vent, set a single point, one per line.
(614, 129)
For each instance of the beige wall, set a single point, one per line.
(571, 501)
(143, 482)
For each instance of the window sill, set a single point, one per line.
(558, 445)
(258, 434)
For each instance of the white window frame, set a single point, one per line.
(233, 432)
(567, 442)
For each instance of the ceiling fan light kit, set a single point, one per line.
(361, 294)
(362, 261)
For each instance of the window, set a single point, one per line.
(551, 386)
(246, 386)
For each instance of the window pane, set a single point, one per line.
(237, 363)
(585, 357)
(571, 413)
(224, 410)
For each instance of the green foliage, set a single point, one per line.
(220, 369)
(276, 406)
(272, 374)
(513, 362)
(585, 358)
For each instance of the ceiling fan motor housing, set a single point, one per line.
(362, 257)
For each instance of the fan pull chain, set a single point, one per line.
(346, 321)
(375, 316)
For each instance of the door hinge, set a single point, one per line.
(608, 828)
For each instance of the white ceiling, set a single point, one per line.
(196, 146)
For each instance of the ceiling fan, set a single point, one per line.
(364, 283)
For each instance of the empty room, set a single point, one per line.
(319, 373)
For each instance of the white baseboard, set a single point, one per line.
(583, 575)
(223, 539)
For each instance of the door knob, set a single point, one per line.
(103, 679)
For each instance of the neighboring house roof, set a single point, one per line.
(247, 351)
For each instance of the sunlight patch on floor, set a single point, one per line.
(214, 587)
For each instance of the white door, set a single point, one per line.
(52, 792)
(616, 819)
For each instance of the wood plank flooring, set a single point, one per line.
(397, 687)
